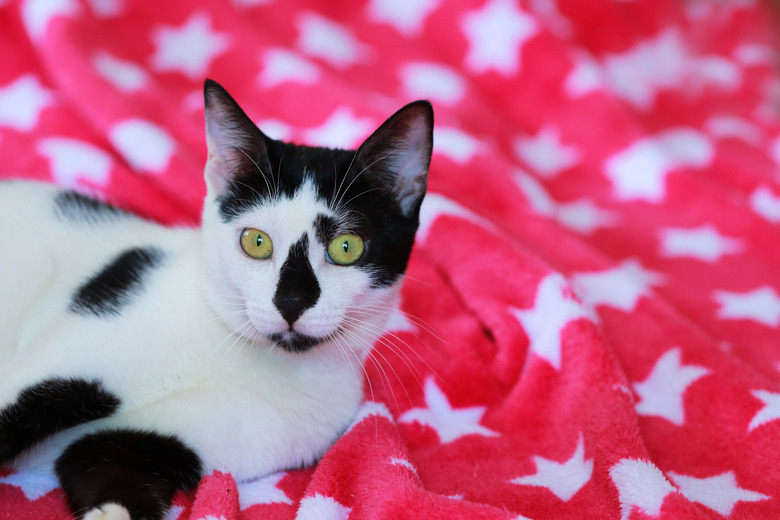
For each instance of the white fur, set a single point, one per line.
(108, 512)
(189, 356)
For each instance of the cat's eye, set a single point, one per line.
(256, 244)
(346, 249)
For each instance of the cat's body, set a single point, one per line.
(198, 349)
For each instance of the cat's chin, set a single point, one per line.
(292, 341)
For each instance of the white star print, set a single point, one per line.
(145, 146)
(368, 409)
(395, 461)
(329, 41)
(719, 492)
(341, 130)
(639, 171)
(764, 202)
(449, 423)
(320, 507)
(636, 77)
(640, 484)
(661, 393)
(454, 144)
(584, 77)
(262, 491)
(188, 49)
(702, 243)
(283, 66)
(761, 305)
(107, 8)
(73, 161)
(22, 102)
(730, 126)
(620, 287)
(770, 411)
(407, 17)
(36, 14)
(434, 81)
(33, 484)
(435, 206)
(554, 308)
(581, 216)
(563, 479)
(496, 35)
(545, 152)
(123, 75)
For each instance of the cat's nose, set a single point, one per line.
(298, 288)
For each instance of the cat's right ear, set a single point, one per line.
(235, 145)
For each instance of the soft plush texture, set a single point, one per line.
(590, 319)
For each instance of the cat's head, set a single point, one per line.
(305, 245)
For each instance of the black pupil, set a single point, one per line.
(345, 245)
(259, 240)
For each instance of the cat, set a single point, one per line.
(136, 358)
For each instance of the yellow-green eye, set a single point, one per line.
(256, 243)
(346, 249)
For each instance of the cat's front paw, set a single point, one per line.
(108, 512)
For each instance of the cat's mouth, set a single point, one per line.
(293, 341)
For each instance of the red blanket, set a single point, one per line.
(590, 319)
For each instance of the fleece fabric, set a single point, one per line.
(589, 327)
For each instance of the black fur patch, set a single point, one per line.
(137, 469)
(297, 289)
(48, 407)
(361, 199)
(84, 210)
(112, 288)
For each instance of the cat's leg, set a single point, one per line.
(50, 406)
(126, 474)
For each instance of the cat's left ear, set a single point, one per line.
(236, 146)
(401, 150)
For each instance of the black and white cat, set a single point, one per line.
(135, 358)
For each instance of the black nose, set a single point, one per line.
(297, 289)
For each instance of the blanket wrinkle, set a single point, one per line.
(593, 303)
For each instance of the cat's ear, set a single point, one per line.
(235, 145)
(401, 150)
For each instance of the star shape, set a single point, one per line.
(33, 484)
(770, 411)
(123, 75)
(283, 66)
(581, 216)
(702, 243)
(620, 287)
(36, 14)
(454, 144)
(640, 485)
(554, 308)
(188, 49)
(22, 102)
(761, 305)
(449, 423)
(731, 126)
(143, 144)
(563, 479)
(496, 34)
(661, 393)
(719, 492)
(407, 17)
(73, 162)
(639, 171)
(584, 77)
(262, 491)
(764, 202)
(635, 76)
(435, 205)
(546, 153)
(434, 81)
(320, 507)
(322, 38)
(341, 130)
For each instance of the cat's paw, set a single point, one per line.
(108, 512)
